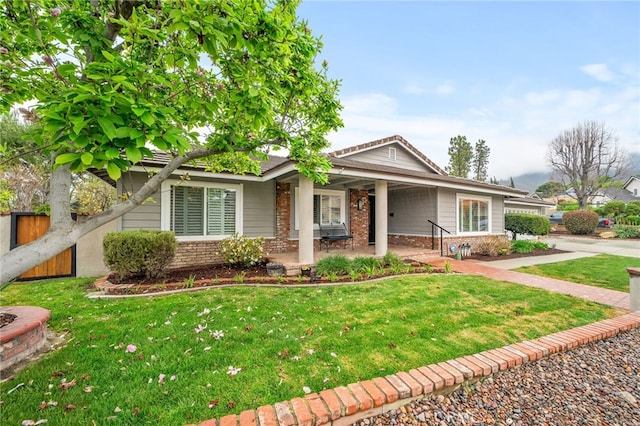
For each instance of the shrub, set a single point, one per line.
(568, 205)
(629, 220)
(134, 253)
(522, 246)
(240, 250)
(520, 223)
(392, 260)
(627, 231)
(581, 221)
(540, 245)
(336, 264)
(364, 264)
(632, 208)
(612, 209)
(493, 246)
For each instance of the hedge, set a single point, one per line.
(136, 253)
(522, 223)
(581, 221)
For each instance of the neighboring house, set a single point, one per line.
(633, 186)
(384, 191)
(531, 204)
(605, 195)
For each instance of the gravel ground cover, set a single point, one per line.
(596, 384)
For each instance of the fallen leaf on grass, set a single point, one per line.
(231, 404)
(214, 403)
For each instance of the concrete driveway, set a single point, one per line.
(576, 247)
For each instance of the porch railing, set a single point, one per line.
(433, 237)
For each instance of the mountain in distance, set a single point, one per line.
(531, 181)
(528, 181)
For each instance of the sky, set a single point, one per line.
(513, 73)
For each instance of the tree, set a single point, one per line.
(512, 184)
(460, 156)
(550, 189)
(24, 171)
(115, 80)
(586, 158)
(481, 160)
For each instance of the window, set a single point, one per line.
(198, 210)
(328, 207)
(473, 214)
(392, 153)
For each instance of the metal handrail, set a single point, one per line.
(433, 240)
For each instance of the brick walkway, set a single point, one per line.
(346, 405)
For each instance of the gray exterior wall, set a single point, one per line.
(145, 216)
(411, 208)
(447, 210)
(258, 207)
(380, 155)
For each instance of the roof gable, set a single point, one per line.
(396, 141)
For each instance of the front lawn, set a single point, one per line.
(193, 356)
(603, 270)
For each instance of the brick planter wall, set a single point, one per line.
(25, 336)
(424, 241)
(359, 219)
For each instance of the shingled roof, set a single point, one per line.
(384, 141)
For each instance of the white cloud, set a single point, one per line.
(517, 126)
(445, 89)
(600, 72)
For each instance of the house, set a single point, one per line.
(633, 186)
(386, 192)
(531, 204)
(630, 191)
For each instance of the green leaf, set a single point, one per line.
(112, 153)
(123, 132)
(81, 140)
(147, 119)
(119, 78)
(108, 56)
(138, 110)
(113, 171)
(67, 70)
(67, 158)
(82, 97)
(135, 133)
(107, 127)
(133, 154)
(86, 158)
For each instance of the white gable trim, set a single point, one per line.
(387, 143)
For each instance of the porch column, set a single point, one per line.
(305, 215)
(382, 217)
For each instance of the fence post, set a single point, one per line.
(634, 288)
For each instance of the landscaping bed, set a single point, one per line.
(219, 274)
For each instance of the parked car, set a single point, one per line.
(605, 222)
(556, 217)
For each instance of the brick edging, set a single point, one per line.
(345, 405)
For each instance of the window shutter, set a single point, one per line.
(187, 210)
(221, 211)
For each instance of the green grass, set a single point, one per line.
(281, 339)
(603, 270)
